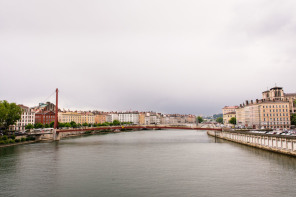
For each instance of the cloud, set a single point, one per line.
(171, 56)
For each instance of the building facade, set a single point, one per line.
(27, 117)
(228, 113)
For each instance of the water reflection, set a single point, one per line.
(146, 163)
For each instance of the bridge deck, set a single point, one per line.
(136, 127)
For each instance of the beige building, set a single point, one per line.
(101, 118)
(277, 94)
(65, 117)
(264, 114)
(228, 113)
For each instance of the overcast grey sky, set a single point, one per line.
(169, 56)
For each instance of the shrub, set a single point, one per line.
(17, 140)
(4, 137)
(87, 132)
(23, 139)
(2, 142)
(11, 141)
(12, 137)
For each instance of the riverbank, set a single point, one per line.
(67, 135)
(275, 143)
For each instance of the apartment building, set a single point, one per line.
(27, 117)
(228, 113)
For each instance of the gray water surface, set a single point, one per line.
(145, 163)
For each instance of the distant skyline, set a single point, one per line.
(188, 57)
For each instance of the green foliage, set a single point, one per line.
(61, 125)
(4, 137)
(116, 122)
(29, 126)
(293, 119)
(12, 137)
(2, 142)
(11, 141)
(232, 120)
(79, 125)
(9, 113)
(67, 125)
(46, 126)
(199, 119)
(38, 125)
(87, 132)
(85, 124)
(73, 124)
(215, 116)
(219, 120)
(51, 124)
(17, 140)
(23, 139)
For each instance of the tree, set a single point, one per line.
(46, 126)
(116, 122)
(51, 124)
(293, 119)
(219, 120)
(38, 125)
(9, 113)
(85, 124)
(73, 124)
(232, 120)
(67, 125)
(29, 126)
(199, 119)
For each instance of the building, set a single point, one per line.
(27, 117)
(277, 94)
(65, 117)
(100, 118)
(129, 117)
(44, 117)
(87, 117)
(264, 114)
(111, 117)
(228, 113)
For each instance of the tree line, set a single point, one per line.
(73, 124)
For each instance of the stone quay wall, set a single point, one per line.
(276, 143)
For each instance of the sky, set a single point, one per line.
(169, 56)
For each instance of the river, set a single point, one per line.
(145, 163)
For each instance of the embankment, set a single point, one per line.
(276, 143)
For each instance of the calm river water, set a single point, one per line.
(145, 163)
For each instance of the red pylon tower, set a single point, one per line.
(56, 110)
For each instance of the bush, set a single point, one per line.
(11, 141)
(4, 137)
(12, 137)
(17, 140)
(23, 139)
(2, 142)
(87, 132)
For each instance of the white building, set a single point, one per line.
(129, 117)
(111, 117)
(27, 117)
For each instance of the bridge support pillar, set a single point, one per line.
(37, 137)
(56, 135)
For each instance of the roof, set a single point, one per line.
(230, 107)
(276, 88)
(290, 94)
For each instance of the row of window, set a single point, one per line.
(277, 110)
(275, 106)
(276, 114)
(278, 119)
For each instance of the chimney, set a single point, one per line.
(251, 101)
(247, 102)
(257, 101)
